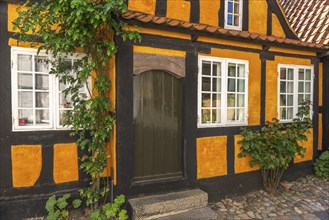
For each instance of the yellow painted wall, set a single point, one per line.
(26, 164)
(241, 165)
(65, 163)
(152, 50)
(292, 51)
(309, 149)
(209, 12)
(146, 6)
(12, 15)
(211, 157)
(320, 83)
(179, 9)
(229, 42)
(271, 100)
(258, 16)
(276, 27)
(320, 132)
(161, 33)
(254, 79)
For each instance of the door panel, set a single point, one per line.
(157, 126)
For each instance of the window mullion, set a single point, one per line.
(224, 93)
(295, 99)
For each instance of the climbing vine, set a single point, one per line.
(65, 27)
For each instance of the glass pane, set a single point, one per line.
(236, 8)
(290, 87)
(308, 87)
(283, 100)
(308, 97)
(241, 70)
(216, 116)
(206, 68)
(290, 74)
(283, 113)
(236, 20)
(216, 85)
(230, 100)
(240, 100)
(42, 117)
(283, 87)
(230, 7)
(24, 62)
(62, 86)
(300, 86)
(42, 99)
(216, 100)
(41, 64)
(301, 74)
(290, 100)
(25, 81)
(25, 117)
(25, 99)
(205, 100)
(232, 69)
(308, 74)
(216, 68)
(41, 82)
(230, 19)
(206, 84)
(241, 83)
(205, 116)
(231, 85)
(62, 116)
(230, 114)
(240, 115)
(300, 99)
(65, 102)
(290, 113)
(282, 73)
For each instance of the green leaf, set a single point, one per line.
(76, 203)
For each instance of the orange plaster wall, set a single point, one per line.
(211, 157)
(12, 15)
(271, 101)
(26, 164)
(228, 42)
(309, 149)
(146, 6)
(258, 16)
(65, 163)
(320, 133)
(241, 165)
(320, 83)
(179, 9)
(209, 12)
(254, 79)
(276, 27)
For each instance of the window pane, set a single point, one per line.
(232, 69)
(283, 100)
(230, 100)
(230, 7)
(308, 74)
(206, 68)
(42, 117)
(216, 102)
(25, 81)
(240, 115)
(308, 87)
(241, 101)
(62, 86)
(205, 100)
(241, 84)
(300, 87)
(41, 64)
(283, 113)
(231, 85)
(216, 69)
(25, 117)
(290, 113)
(231, 114)
(300, 99)
(301, 74)
(230, 19)
(290, 100)
(25, 99)
(241, 70)
(236, 8)
(236, 20)
(62, 116)
(42, 99)
(24, 62)
(216, 84)
(282, 73)
(307, 97)
(206, 84)
(205, 116)
(216, 116)
(65, 102)
(290, 74)
(41, 82)
(283, 88)
(290, 87)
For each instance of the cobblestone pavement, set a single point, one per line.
(306, 198)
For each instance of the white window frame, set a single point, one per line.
(224, 76)
(53, 92)
(226, 25)
(295, 95)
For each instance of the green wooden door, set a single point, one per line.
(157, 126)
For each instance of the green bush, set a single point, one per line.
(321, 166)
(59, 207)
